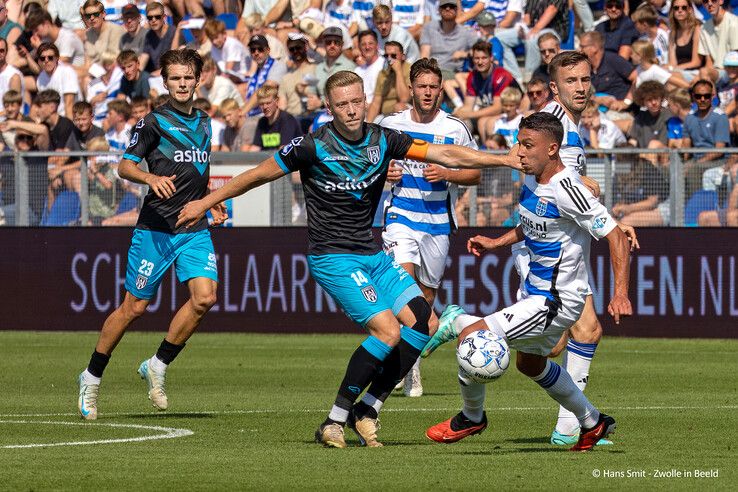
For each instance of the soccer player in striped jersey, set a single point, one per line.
(419, 215)
(571, 87)
(558, 214)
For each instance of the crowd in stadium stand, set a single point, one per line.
(77, 75)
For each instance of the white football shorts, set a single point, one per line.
(427, 252)
(532, 325)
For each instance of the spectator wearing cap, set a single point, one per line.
(387, 31)
(214, 87)
(719, 36)
(449, 43)
(292, 86)
(158, 40)
(71, 49)
(392, 89)
(101, 36)
(227, 52)
(335, 60)
(612, 75)
(548, 46)
(370, 62)
(57, 76)
(411, 15)
(487, 23)
(264, 70)
(133, 38)
(618, 30)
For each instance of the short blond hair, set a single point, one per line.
(267, 90)
(98, 144)
(591, 107)
(342, 78)
(511, 95)
(680, 97)
(228, 105)
(645, 50)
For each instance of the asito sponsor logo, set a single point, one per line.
(192, 155)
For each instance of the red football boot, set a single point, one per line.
(589, 437)
(455, 429)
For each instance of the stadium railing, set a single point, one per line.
(670, 187)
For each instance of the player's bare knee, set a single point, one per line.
(203, 301)
(587, 330)
(479, 325)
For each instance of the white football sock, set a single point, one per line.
(157, 365)
(338, 414)
(559, 385)
(473, 394)
(577, 359)
(89, 378)
(464, 320)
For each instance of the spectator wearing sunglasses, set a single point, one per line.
(158, 40)
(57, 76)
(101, 36)
(292, 95)
(134, 37)
(335, 60)
(264, 70)
(71, 49)
(618, 30)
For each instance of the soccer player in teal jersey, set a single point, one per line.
(175, 141)
(343, 166)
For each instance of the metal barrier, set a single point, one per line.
(644, 187)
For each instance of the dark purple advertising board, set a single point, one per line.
(683, 282)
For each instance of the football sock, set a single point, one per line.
(362, 367)
(168, 351)
(577, 359)
(473, 394)
(398, 364)
(559, 385)
(464, 320)
(97, 364)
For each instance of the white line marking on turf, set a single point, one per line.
(321, 410)
(167, 433)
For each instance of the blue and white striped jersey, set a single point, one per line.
(415, 202)
(557, 219)
(572, 148)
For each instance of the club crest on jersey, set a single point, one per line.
(206, 128)
(141, 281)
(140, 123)
(541, 207)
(134, 139)
(369, 294)
(373, 154)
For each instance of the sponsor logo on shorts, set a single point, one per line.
(599, 223)
(141, 281)
(369, 294)
(373, 153)
(508, 316)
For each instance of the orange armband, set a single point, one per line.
(417, 150)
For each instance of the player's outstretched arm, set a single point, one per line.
(620, 258)
(459, 156)
(264, 173)
(481, 244)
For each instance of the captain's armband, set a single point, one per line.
(417, 150)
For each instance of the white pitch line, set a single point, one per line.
(168, 433)
(321, 410)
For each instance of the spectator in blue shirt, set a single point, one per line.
(618, 30)
(707, 128)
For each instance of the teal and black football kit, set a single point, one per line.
(343, 182)
(173, 143)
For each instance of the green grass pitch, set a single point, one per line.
(252, 403)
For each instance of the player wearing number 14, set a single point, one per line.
(175, 141)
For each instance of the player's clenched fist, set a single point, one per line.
(479, 244)
(163, 186)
